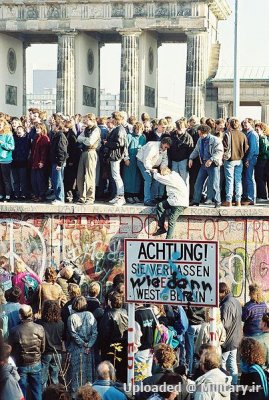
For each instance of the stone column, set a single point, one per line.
(223, 109)
(196, 74)
(265, 112)
(129, 80)
(65, 94)
(24, 102)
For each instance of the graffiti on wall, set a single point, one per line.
(95, 243)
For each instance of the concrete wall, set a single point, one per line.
(95, 242)
(12, 79)
(146, 41)
(83, 43)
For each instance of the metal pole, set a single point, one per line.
(131, 329)
(236, 99)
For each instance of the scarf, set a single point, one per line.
(258, 369)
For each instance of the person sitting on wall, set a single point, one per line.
(177, 200)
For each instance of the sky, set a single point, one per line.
(253, 34)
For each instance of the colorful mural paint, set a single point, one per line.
(95, 243)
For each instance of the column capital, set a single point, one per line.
(129, 32)
(71, 33)
(223, 102)
(26, 45)
(196, 33)
(264, 103)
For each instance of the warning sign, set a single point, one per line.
(171, 272)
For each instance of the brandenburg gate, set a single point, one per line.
(81, 27)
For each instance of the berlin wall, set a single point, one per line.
(95, 242)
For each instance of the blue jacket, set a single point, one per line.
(108, 390)
(253, 142)
(6, 147)
(9, 386)
(215, 148)
(252, 313)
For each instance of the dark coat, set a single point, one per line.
(28, 342)
(116, 145)
(21, 152)
(181, 148)
(58, 149)
(113, 328)
(231, 312)
(72, 149)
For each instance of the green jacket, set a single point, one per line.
(7, 145)
(263, 148)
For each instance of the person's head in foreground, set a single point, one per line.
(55, 392)
(106, 371)
(87, 392)
(164, 355)
(171, 381)
(251, 352)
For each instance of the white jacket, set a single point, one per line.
(176, 188)
(151, 155)
(215, 377)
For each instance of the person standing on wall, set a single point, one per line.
(86, 179)
(58, 154)
(115, 151)
(209, 149)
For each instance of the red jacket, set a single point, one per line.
(40, 151)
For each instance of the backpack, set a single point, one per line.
(5, 280)
(165, 334)
(31, 286)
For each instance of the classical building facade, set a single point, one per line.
(81, 27)
(254, 90)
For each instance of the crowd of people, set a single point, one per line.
(64, 339)
(121, 160)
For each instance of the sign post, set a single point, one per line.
(213, 326)
(130, 350)
(169, 272)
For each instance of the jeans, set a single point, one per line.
(182, 168)
(51, 364)
(175, 211)
(143, 358)
(249, 181)
(233, 178)
(190, 337)
(115, 172)
(213, 183)
(30, 376)
(158, 189)
(229, 363)
(57, 181)
(19, 176)
(150, 184)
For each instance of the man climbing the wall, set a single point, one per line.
(177, 200)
